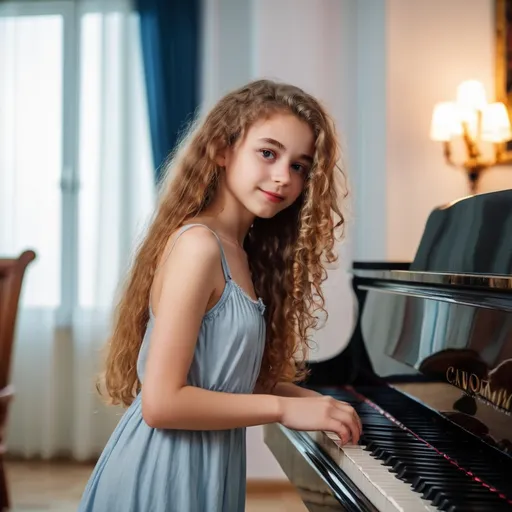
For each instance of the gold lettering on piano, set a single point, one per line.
(473, 385)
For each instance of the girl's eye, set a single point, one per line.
(266, 153)
(298, 167)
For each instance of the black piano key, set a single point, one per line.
(392, 460)
(410, 474)
(415, 452)
(396, 441)
(426, 462)
(480, 505)
(427, 468)
(428, 481)
(477, 507)
(445, 499)
(459, 493)
(412, 451)
(406, 474)
(423, 481)
(379, 450)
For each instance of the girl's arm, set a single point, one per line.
(288, 389)
(292, 390)
(167, 400)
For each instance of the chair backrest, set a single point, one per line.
(12, 271)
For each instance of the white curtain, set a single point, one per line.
(76, 185)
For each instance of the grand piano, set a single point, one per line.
(429, 370)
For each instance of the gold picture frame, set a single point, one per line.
(503, 64)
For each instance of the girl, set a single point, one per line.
(213, 325)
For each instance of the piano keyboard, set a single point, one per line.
(425, 465)
(375, 481)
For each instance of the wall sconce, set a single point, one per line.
(476, 121)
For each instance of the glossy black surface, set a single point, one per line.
(450, 341)
(469, 236)
(439, 332)
(482, 282)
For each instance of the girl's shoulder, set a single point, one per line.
(191, 240)
(191, 257)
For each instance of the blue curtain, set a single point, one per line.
(170, 32)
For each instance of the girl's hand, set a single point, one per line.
(322, 413)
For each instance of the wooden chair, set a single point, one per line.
(12, 271)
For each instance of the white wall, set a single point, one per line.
(379, 66)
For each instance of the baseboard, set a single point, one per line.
(268, 486)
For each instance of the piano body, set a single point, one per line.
(429, 369)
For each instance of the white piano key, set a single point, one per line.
(369, 474)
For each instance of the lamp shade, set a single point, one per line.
(471, 95)
(496, 123)
(445, 123)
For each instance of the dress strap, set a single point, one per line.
(186, 227)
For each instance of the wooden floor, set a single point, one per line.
(37, 486)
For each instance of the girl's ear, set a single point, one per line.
(221, 158)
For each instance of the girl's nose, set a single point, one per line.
(281, 174)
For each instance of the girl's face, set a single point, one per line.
(265, 172)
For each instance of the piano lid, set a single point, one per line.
(470, 236)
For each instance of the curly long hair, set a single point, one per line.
(287, 253)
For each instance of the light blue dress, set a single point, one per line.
(143, 469)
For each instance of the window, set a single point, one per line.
(31, 64)
(75, 166)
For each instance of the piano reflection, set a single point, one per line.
(429, 370)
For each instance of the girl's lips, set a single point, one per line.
(275, 198)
